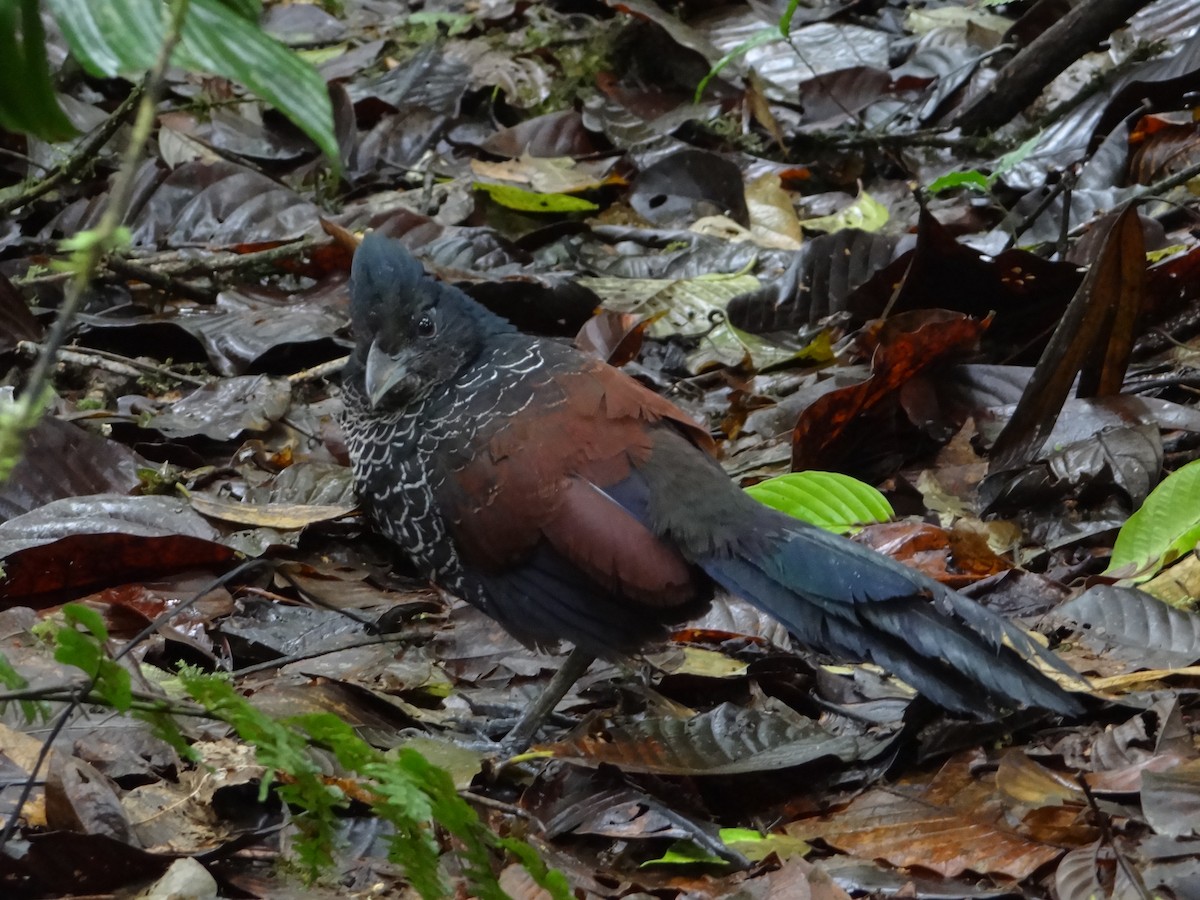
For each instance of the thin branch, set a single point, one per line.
(165, 283)
(115, 363)
(114, 212)
(318, 653)
(323, 370)
(240, 264)
(143, 701)
(83, 156)
(32, 402)
(1106, 831)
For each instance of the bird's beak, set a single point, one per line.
(383, 373)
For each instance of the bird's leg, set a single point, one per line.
(531, 720)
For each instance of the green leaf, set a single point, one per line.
(402, 787)
(81, 243)
(1166, 527)
(549, 879)
(426, 26)
(86, 651)
(530, 201)
(757, 847)
(829, 500)
(27, 100)
(865, 212)
(972, 179)
(1014, 158)
(249, 10)
(977, 180)
(10, 677)
(115, 37)
(75, 614)
(685, 853)
(15, 681)
(785, 21)
(123, 37)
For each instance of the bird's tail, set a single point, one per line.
(854, 603)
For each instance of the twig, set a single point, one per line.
(143, 700)
(937, 138)
(1183, 176)
(113, 362)
(322, 370)
(1020, 82)
(159, 280)
(317, 653)
(241, 264)
(1106, 832)
(169, 272)
(22, 158)
(1044, 204)
(500, 806)
(83, 156)
(32, 401)
(114, 211)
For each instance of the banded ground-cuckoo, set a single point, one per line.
(569, 502)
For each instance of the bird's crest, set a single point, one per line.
(384, 268)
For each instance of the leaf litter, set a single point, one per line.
(808, 255)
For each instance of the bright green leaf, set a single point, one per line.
(86, 651)
(829, 500)
(73, 648)
(739, 836)
(757, 847)
(1153, 256)
(685, 853)
(531, 201)
(765, 36)
(785, 21)
(115, 685)
(1166, 527)
(81, 243)
(10, 677)
(77, 614)
(971, 179)
(977, 180)
(865, 213)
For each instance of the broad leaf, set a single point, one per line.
(531, 201)
(123, 37)
(219, 41)
(1165, 527)
(829, 500)
(118, 37)
(27, 100)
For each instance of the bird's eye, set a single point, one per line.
(426, 326)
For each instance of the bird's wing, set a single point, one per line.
(545, 477)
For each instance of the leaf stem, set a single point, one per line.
(110, 221)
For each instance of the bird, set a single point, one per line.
(569, 502)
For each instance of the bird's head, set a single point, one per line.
(412, 334)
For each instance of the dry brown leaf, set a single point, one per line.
(951, 825)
